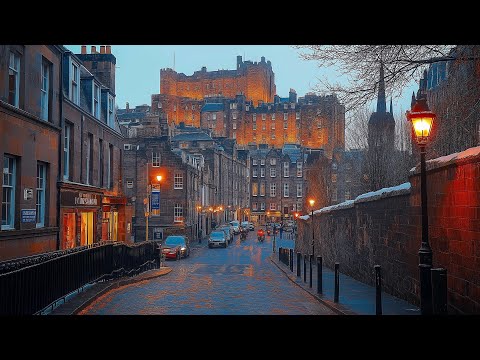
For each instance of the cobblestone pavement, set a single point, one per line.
(238, 280)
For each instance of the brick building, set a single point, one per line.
(30, 134)
(92, 203)
(277, 182)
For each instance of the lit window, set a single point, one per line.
(8, 192)
(178, 181)
(254, 206)
(254, 189)
(155, 159)
(273, 190)
(14, 80)
(177, 213)
(40, 203)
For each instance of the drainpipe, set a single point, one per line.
(60, 148)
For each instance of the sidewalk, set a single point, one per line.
(355, 297)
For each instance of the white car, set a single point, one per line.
(217, 239)
(236, 226)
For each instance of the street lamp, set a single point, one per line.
(422, 120)
(312, 202)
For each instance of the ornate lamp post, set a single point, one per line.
(312, 202)
(422, 120)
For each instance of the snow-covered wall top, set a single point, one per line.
(448, 159)
(401, 189)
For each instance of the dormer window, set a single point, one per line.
(96, 101)
(74, 84)
(111, 111)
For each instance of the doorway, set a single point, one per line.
(86, 228)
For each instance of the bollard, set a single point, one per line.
(378, 288)
(298, 264)
(311, 260)
(279, 254)
(319, 275)
(290, 253)
(439, 291)
(337, 282)
(305, 268)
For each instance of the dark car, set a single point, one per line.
(228, 230)
(175, 247)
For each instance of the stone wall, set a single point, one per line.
(386, 230)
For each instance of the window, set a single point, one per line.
(214, 116)
(193, 107)
(299, 168)
(297, 116)
(262, 162)
(255, 172)
(155, 159)
(254, 117)
(262, 206)
(285, 116)
(254, 161)
(292, 105)
(299, 190)
(178, 181)
(334, 178)
(89, 159)
(8, 192)
(129, 184)
(273, 206)
(264, 116)
(159, 105)
(254, 206)
(273, 126)
(174, 107)
(273, 190)
(100, 161)
(14, 80)
(177, 213)
(44, 113)
(254, 189)
(286, 190)
(285, 124)
(247, 107)
(110, 166)
(273, 172)
(74, 84)
(273, 136)
(262, 172)
(262, 188)
(264, 127)
(334, 194)
(286, 168)
(347, 194)
(334, 166)
(234, 116)
(285, 106)
(41, 184)
(96, 101)
(66, 152)
(319, 123)
(111, 114)
(273, 161)
(234, 126)
(273, 117)
(234, 135)
(299, 206)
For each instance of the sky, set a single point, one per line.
(138, 68)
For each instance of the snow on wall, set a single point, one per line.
(401, 189)
(448, 159)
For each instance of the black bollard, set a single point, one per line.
(298, 264)
(279, 254)
(305, 268)
(319, 275)
(378, 288)
(439, 291)
(337, 282)
(311, 261)
(290, 253)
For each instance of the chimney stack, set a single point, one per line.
(109, 49)
(84, 49)
(127, 106)
(102, 49)
(93, 49)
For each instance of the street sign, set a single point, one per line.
(155, 199)
(29, 215)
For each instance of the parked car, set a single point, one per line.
(236, 226)
(251, 226)
(228, 231)
(217, 238)
(176, 247)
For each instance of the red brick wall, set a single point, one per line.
(388, 232)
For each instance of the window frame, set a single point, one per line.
(75, 80)
(9, 225)
(45, 92)
(177, 213)
(40, 206)
(273, 190)
(66, 150)
(299, 190)
(155, 159)
(273, 172)
(286, 190)
(299, 169)
(16, 69)
(177, 180)
(286, 169)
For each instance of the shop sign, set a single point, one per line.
(155, 199)
(73, 198)
(29, 215)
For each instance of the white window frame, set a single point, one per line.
(285, 125)
(299, 190)
(254, 125)
(262, 206)
(255, 172)
(273, 161)
(299, 168)
(262, 162)
(214, 116)
(264, 125)
(262, 188)
(297, 116)
(273, 172)
(273, 126)
(254, 117)
(273, 117)
(10, 188)
(40, 194)
(254, 206)
(234, 126)
(96, 100)
(45, 87)
(234, 116)
(286, 190)
(254, 161)
(66, 152)
(273, 190)
(285, 116)
(177, 213)
(264, 116)
(273, 206)
(14, 70)
(178, 181)
(286, 169)
(111, 111)
(234, 135)
(262, 172)
(75, 82)
(155, 159)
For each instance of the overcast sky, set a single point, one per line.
(138, 68)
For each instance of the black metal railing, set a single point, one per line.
(38, 281)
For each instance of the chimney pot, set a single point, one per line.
(84, 49)
(109, 49)
(102, 49)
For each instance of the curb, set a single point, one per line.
(118, 284)
(337, 308)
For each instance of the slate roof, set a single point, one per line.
(212, 107)
(193, 136)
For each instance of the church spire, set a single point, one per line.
(381, 101)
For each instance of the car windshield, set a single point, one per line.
(234, 223)
(217, 235)
(175, 240)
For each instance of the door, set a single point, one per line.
(69, 230)
(86, 233)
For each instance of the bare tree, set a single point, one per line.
(360, 65)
